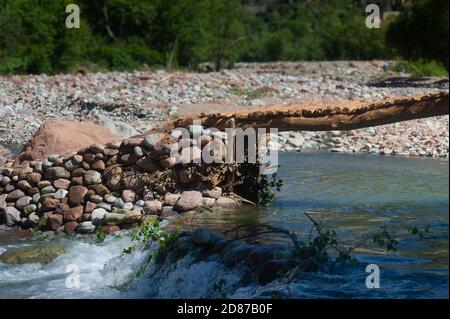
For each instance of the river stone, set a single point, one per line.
(110, 229)
(97, 148)
(216, 192)
(90, 206)
(110, 198)
(5, 180)
(208, 201)
(113, 218)
(139, 203)
(96, 199)
(86, 227)
(77, 194)
(70, 165)
(105, 206)
(56, 172)
(36, 198)
(111, 171)
(34, 178)
(133, 216)
(54, 221)
(48, 203)
(11, 215)
(43, 184)
(33, 219)
(128, 196)
(119, 203)
(113, 182)
(97, 216)
(147, 164)
(151, 139)
(48, 190)
(29, 209)
(92, 177)
(128, 206)
(98, 165)
(152, 206)
(23, 201)
(42, 254)
(137, 151)
(225, 202)
(171, 199)
(24, 185)
(61, 183)
(60, 194)
(188, 201)
(70, 227)
(73, 214)
(15, 195)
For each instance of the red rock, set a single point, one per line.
(70, 227)
(34, 178)
(32, 191)
(48, 204)
(78, 172)
(133, 217)
(101, 189)
(90, 193)
(64, 137)
(128, 196)
(90, 206)
(112, 170)
(111, 152)
(225, 202)
(188, 201)
(98, 165)
(110, 229)
(61, 183)
(86, 217)
(73, 214)
(54, 221)
(23, 172)
(77, 194)
(77, 180)
(61, 208)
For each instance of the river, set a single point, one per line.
(354, 195)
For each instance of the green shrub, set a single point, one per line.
(421, 68)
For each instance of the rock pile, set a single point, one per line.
(114, 185)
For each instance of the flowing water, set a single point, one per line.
(353, 194)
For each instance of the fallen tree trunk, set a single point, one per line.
(345, 115)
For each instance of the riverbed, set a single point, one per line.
(355, 195)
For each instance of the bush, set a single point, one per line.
(422, 32)
(421, 68)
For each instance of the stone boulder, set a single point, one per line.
(64, 137)
(188, 201)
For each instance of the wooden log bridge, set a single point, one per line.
(346, 115)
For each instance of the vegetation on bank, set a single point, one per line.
(126, 35)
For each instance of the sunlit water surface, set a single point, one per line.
(353, 194)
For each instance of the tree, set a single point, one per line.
(422, 31)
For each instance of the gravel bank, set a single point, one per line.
(131, 103)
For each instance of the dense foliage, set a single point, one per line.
(128, 34)
(422, 32)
